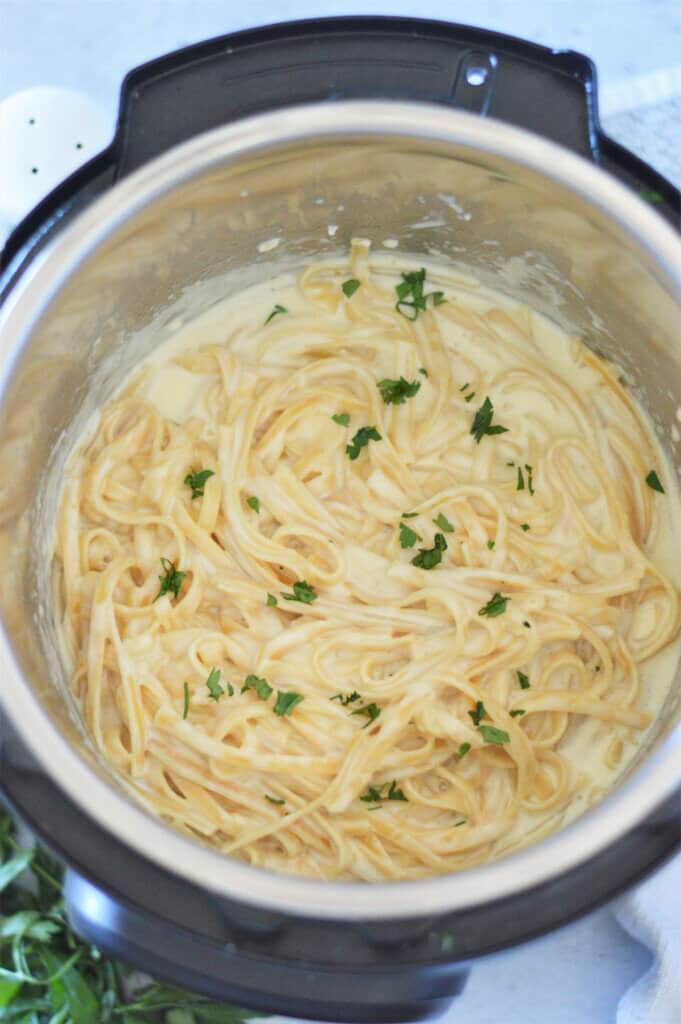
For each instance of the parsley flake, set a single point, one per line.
(361, 440)
(525, 527)
(652, 196)
(444, 523)
(253, 503)
(469, 398)
(463, 749)
(491, 734)
(271, 601)
(482, 422)
(410, 515)
(197, 481)
(213, 684)
(350, 287)
(428, 558)
(423, 370)
(276, 310)
(408, 537)
(374, 794)
(495, 606)
(341, 418)
(523, 680)
(396, 392)
(286, 702)
(274, 800)
(261, 686)
(303, 592)
(350, 699)
(172, 579)
(372, 711)
(653, 481)
(411, 299)
(516, 712)
(490, 545)
(479, 712)
(185, 710)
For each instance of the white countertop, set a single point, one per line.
(577, 975)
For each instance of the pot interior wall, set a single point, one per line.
(203, 240)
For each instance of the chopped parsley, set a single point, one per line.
(523, 680)
(271, 601)
(185, 710)
(411, 299)
(653, 481)
(463, 388)
(261, 686)
(350, 699)
(478, 713)
(396, 392)
(525, 526)
(482, 422)
(374, 794)
(651, 195)
(428, 558)
(276, 310)
(361, 440)
(491, 734)
(372, 711)
(527, 625)
(470, 397)
(463, 749)
(516, 712)
(171, 580)
(350, 287)
(423, 370)
(444, 523)
(520, 485)
(495, 606)
(274, 800)
(286, 702)
(408, 537)
(490, 545)
(303, 592)
(409, 515)
(213, 683)
(342, 419)
(253, 503)
(197, 481)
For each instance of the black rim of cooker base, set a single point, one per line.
(359, 971)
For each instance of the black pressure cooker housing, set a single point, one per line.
(132, 908)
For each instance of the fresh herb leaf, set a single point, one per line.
(275, 311)
(372, 795)
(495, 606)
(286, 702)
(396, 794)
(478, 713)
(523, 680)
(482, 422)
(185, 709)
(361, 440)
(463, 749)
(197, 481)
(261, 686)
(653, 481)
(341, 418)
(303, 592)
(172, 579)
(444, 523)
(350, 287)
(274, 800)
(253, 503)
(213, 684)
(516, 712)
(271, 601)
(408, 537)
(372, 711)
(525, 526)
(491, 734)
(411, 299)
(396, 392)
(350, 699)
(428, 558)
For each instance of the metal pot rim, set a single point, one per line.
(622, 810)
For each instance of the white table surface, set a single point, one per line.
(576, 975)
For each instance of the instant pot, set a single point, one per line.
(231, 160)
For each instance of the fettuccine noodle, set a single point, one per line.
(281, 662)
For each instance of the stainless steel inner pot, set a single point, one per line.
(537, 222)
